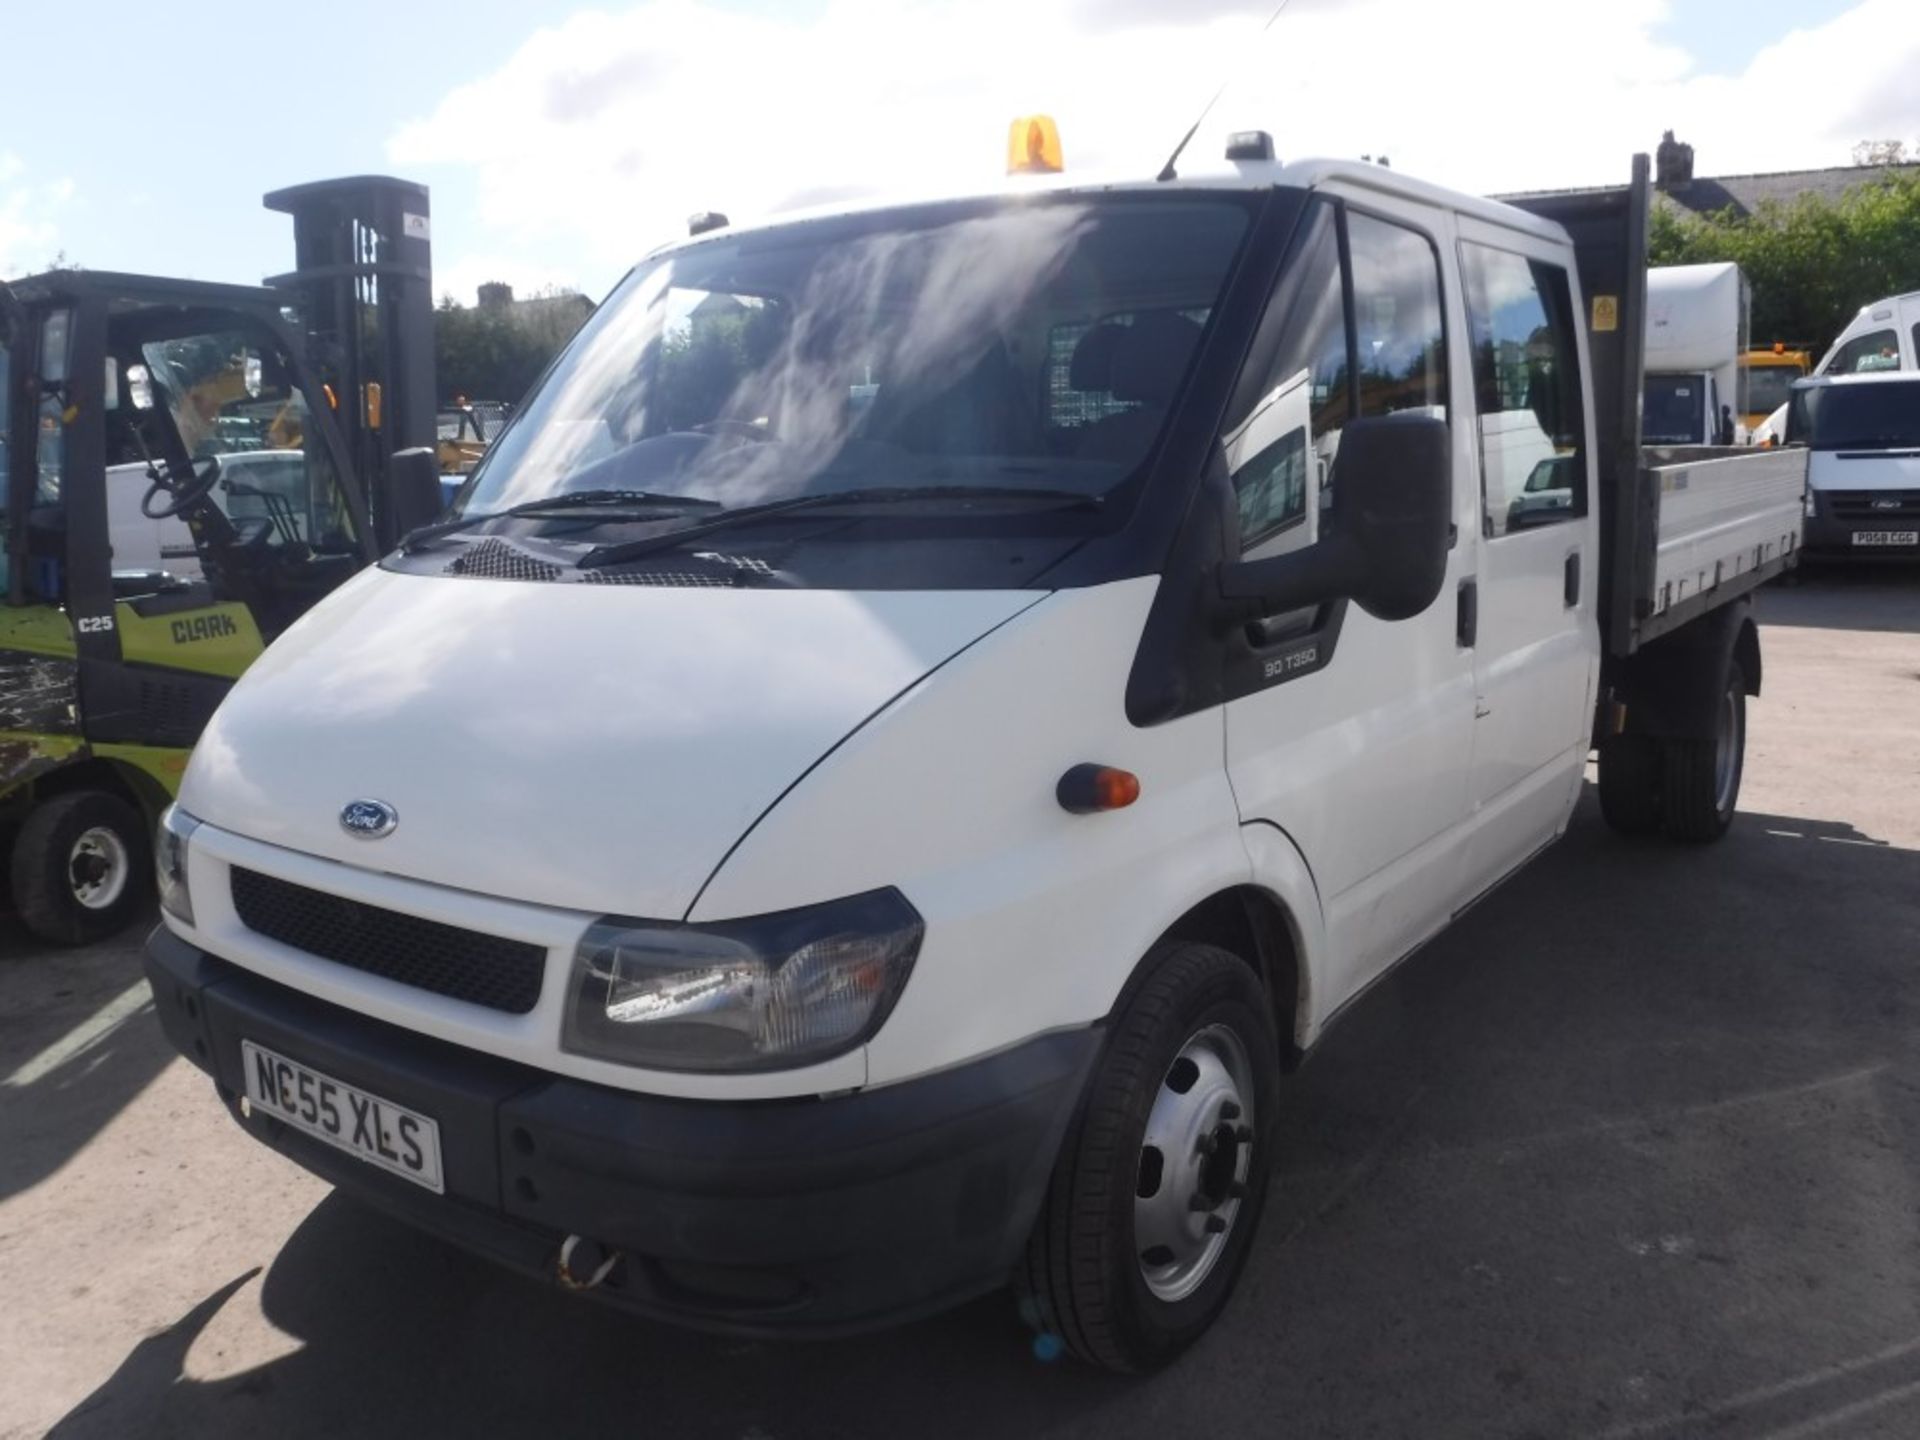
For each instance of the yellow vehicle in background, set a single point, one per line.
(1766, 380)
(465, 429)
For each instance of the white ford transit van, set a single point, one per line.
(1863, 476)
(930, 710)
(1883, 336)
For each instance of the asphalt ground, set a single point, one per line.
(1631, 1151)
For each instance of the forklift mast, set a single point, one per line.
(363, 285)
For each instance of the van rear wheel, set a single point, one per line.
(1700, 785)
(1630, 783)
(1159, 1186)
(81, 867)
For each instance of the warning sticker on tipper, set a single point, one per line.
(1606, 312)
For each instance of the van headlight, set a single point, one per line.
(771, 992)
(170, 844)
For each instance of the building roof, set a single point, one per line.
(1744, 194)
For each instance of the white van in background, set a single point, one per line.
(1883, 336)
(1863, 471)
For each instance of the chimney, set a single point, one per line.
(1672, 163)
(495, 295)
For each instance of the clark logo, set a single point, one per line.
(203, 627)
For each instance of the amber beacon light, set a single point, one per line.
(1033, 146)
(1089, 789)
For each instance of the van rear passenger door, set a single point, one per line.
(1535, 650)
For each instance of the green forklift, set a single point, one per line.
(185, 468)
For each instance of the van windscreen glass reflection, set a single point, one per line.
(918, 348)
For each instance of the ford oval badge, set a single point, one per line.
(368, 819)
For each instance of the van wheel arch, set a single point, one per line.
(1257, 928)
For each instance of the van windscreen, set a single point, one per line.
(1039, 342)
(1873, 415)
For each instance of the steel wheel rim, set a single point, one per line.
(1726, 751)
(97, 868)
(1195, 1160)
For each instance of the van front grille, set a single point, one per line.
(1874, 504)
(461, 964)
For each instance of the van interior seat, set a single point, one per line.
(1148, 365)
(984, 410)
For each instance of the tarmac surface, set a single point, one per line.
(1632, 1151)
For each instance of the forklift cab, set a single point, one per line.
(184, 456)
(174, 492)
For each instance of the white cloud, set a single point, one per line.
(29, 217)
(596, 138)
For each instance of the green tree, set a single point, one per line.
(496, 352)
(1812, 262)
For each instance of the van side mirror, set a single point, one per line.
(1393, 483)
(414, 497)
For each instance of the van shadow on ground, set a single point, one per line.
(1838, 595)
(78, 1042)
(1629, 1150)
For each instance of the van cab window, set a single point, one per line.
(1865, 354)
(1526, 385)
(1315, 374)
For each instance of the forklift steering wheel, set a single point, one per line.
(184, 497)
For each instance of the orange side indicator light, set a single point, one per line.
(1089, 789)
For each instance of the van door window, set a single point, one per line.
(1400, 337)
(1526, 386)
(1284, 438)
(1279, 452)
(1865, 354)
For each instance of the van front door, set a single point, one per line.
(1349, 734)
(1535, 653)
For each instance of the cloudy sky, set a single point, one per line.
(562, 142)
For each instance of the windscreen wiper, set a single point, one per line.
(665, 506)
(872, 495)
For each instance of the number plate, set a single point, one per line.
(345, 1116)
(1886, 537)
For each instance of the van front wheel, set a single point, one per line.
(1159, 1186)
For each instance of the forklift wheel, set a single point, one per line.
(82, 868)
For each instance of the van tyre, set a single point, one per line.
(1701, 777)
(1161, 1180)
(1630, 783)
(81, 867)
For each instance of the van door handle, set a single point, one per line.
(1466, 625)
(1570, 590)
